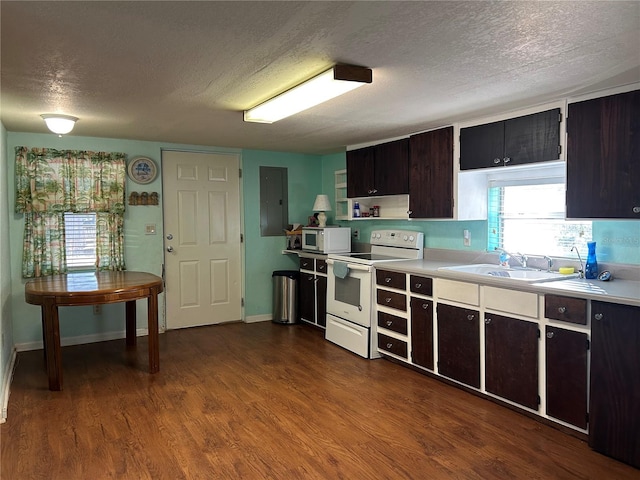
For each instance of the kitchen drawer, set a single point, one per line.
(462, 292)
(321, 266)
(392, 345)
(421, 285)
(391, 279)
(391, 322)
(511, 301)
(307, 263)
(566, 309)
(392, 299)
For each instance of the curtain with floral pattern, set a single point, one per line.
(50, 182)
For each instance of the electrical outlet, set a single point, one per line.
(466, 238)
(356, 233)
(97, 309)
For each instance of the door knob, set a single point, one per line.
(169, 249)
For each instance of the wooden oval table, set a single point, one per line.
(94, 288)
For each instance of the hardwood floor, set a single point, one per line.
(268, 401)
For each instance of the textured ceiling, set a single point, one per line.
(182, 72)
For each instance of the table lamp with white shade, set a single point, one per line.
(322, 205)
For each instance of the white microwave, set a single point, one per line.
(326, 240)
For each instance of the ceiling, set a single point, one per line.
(183, 72)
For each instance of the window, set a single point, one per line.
(528, 216)
(80, 240)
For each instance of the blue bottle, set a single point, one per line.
(591, 268)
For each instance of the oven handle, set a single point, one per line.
(353, 266)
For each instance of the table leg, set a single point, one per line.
(51, 323)
(130, 309)
(44, 336)
(152, 324)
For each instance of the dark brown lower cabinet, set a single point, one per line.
(511, 359)
(392, 345)
(422, 332)
(566, 374)
(307, 297)
(614, 417)
(321, 300)
(459, 344)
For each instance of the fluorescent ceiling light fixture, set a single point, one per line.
(330, 84)
(60, 124)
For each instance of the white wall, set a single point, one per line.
(7, 352)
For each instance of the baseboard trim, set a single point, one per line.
(6, 387)
(265, 317)
(82, 339)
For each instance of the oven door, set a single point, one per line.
(350, 297)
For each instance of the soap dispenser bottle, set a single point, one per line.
(591, 267)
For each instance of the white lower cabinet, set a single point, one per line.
(519, 347)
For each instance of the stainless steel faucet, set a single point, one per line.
(520, 258)
(581, 271)
(549, 262)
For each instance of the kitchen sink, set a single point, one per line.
(529, 275)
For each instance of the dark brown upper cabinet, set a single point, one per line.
(516, 141)
(431, 174)
(378, 170)
(603, 157)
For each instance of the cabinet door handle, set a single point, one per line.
(470, 316)
(506, 160)
(425, 306)
(389, 323)
(369, 192)
(418, 285)
(549, 334)
(387, 279)
(598, 316)
(636, 209)
(388, 299)
(389, 345)
(375, 191)
(409, 212)
(562, 309)
(487, 321)
(496, 161)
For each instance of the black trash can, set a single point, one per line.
(285, 296)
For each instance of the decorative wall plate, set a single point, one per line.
(142, 170)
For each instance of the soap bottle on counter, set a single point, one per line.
(591, 267)
(356, 210)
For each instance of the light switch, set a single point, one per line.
(466, 238)
(150, 229)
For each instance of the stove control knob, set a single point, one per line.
(411, 238)
(377, 235)
(405, 238)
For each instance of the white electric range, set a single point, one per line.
(351, 286)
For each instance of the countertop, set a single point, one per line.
(615, 291)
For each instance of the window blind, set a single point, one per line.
(529, 218)
(80, 240)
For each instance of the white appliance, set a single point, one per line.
(350, 312)
(327, 239)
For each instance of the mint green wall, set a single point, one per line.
(308, 175)
(263, 254)
(617, 241)
(145, 252)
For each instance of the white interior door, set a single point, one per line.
(201, 201)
